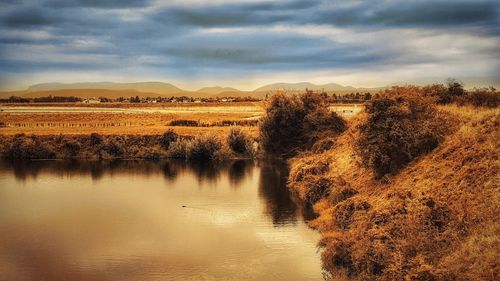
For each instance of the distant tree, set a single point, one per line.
(135, 100)
(455, 88)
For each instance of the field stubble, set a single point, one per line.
(131, 119)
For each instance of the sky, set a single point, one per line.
(249, 43)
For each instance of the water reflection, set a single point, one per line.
(273, 189)
(143, 220)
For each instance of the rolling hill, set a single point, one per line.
(155, 89)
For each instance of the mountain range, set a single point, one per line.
(155, 89)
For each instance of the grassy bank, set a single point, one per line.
(435, 217)
(235, 144)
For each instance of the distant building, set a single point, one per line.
(92, 100)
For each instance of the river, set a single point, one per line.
(140, 220)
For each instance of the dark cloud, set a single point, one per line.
(179, 37)
(109, 4)
(28, 17)
(267, 49)
(430, 14)
(238, 14)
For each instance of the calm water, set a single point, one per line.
(152, 221)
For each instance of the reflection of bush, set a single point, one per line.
(238, 170)
(274, 191)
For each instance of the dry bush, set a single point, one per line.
(323, 144)
(184, 122)
(72, 148)
(247, 123)
(238, 140)
(342, 194)
(167, 138)
(95, 139)
(481, 97)
(95, 146)
(221, 123)
(400, 127)
(28, 147)
(292, 123)
(178, 149)
(204, 148)
(445, 94)
(434, 220)
(319, 188)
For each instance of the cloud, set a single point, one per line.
(241, 39)
(29, 16)
(414, 14)
(108, 4)
(363, 13)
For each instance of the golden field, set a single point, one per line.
(131, 119)
(116, 119)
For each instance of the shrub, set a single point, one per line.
(485, 97)
(398, 129)
(237, 140)
(114, 148)
(320, 188)
(72, 148)
(203, 147)
(23, 147)
(95, 139)
(178, 149)
(167, 138)
(445, 94)
(291, 123)
(184, 122)
(248, 123)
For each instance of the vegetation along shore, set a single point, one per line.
(406, 190)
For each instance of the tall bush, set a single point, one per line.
(481, 97)
(204, 147)
(399, 128)
(291, 122)
(237, 140)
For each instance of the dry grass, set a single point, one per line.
(141, 105)
(201, 147)
(437, 219)
(138, 119)
(114, 123)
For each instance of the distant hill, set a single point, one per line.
(217, 90)
(89, 93)
(302, 86)
(155, 89)
(159, 88)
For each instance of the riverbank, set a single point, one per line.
(235, 144)
(435, 219)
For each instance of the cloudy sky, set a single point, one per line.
(248, 43)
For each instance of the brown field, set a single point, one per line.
(130, 119)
